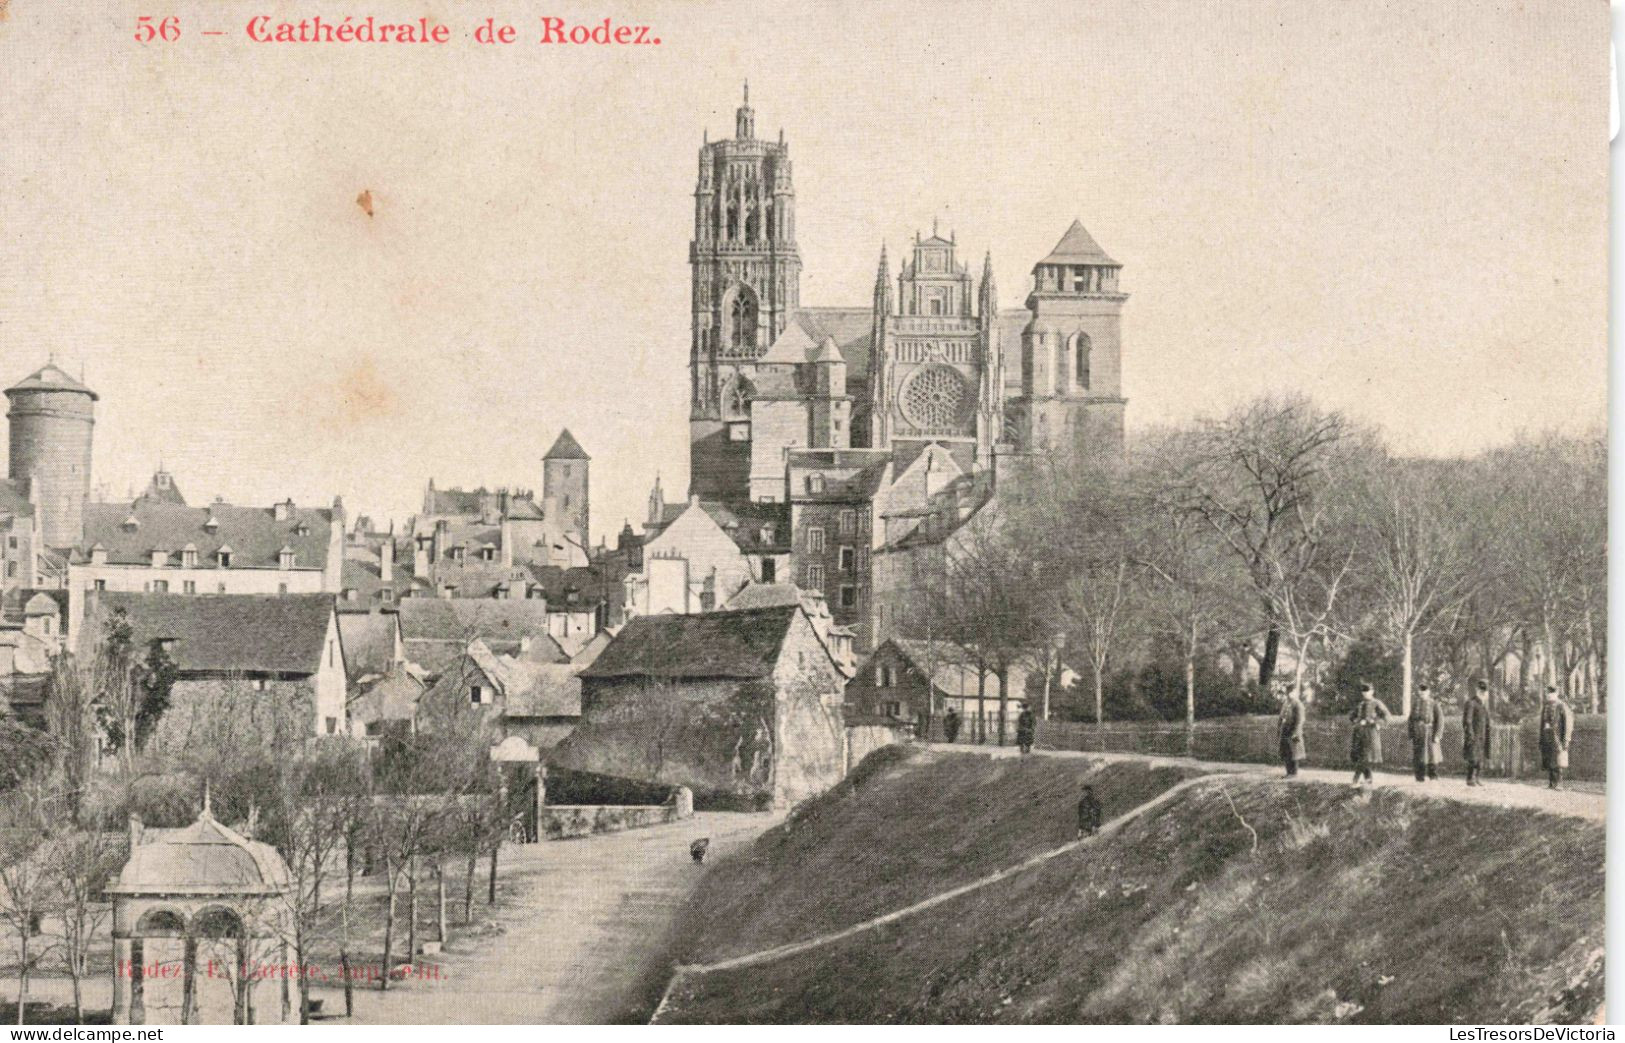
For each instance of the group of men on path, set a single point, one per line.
(1425, 728)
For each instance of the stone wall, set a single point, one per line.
(715, 737)
(864, 739)
(809, 729)
(568, 821)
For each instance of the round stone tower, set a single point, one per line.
(51, 417)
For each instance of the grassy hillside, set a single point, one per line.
(1241, 900)
(903, 826)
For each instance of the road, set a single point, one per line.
(582, 923)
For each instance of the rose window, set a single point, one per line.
(935, 398)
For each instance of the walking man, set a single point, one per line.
(1292, 745)
(1426, 727)
(1088, 813)
(950, 725)
(1556, 729)
(1475, 732)
(1365, 743)
(1026, 729)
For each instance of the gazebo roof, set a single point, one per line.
(204, 858)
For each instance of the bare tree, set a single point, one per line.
(1422, 546)
(27, 887)
(1194, 583)
(79, 865)
(1256, 477)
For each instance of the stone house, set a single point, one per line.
(905, 678)
(280, 656)
(744, 708)
(697, 556)
(437, 631)
(158, 547)
(535, 699)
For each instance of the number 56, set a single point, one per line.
(168, 30)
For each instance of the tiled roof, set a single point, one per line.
(363, 574)
(565, 447)
(479, 580)
(499, 623)
(50, 377)
(851, 329)
(254, 535)
(369, 642)
(594, 647)
(587, 582)
(746, 523)
(1077, 246)
(228, 633)
(955, 668)
(392, 697)
(743, 644)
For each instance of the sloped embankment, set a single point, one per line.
(904, 825)
(1243, 899)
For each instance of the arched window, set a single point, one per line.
(742, 323)
(736, 399)
(753, 221)
(733, 221)
(1080, 360)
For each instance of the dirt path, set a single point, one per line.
(1569, 802)
(585, 919)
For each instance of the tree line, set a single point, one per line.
(1282, 540)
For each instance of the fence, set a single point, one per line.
(1514, 748)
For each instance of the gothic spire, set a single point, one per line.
(745, 119)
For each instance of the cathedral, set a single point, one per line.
(932, 360)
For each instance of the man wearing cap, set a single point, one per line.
(1292, 745)
(1475, 732)
(1365, 744)
(1556, 729)
(1426, 727)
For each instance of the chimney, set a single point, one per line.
(386, 560)
(136, 831)
(506, 539)
(420, 557)
(283, 511)
(442, 532)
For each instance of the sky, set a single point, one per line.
(1398, 209)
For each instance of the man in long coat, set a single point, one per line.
(1556, 729)
(1089, 814)
(1365, 743)
(1026, 729)
(1292, 745)
(950, 725)
(1475, 732)
(1426, 728)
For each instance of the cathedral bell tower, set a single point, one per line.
(746, 282)
(1071, 352)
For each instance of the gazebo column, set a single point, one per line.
(189, 981)
(121, 981)
(138, 1002)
